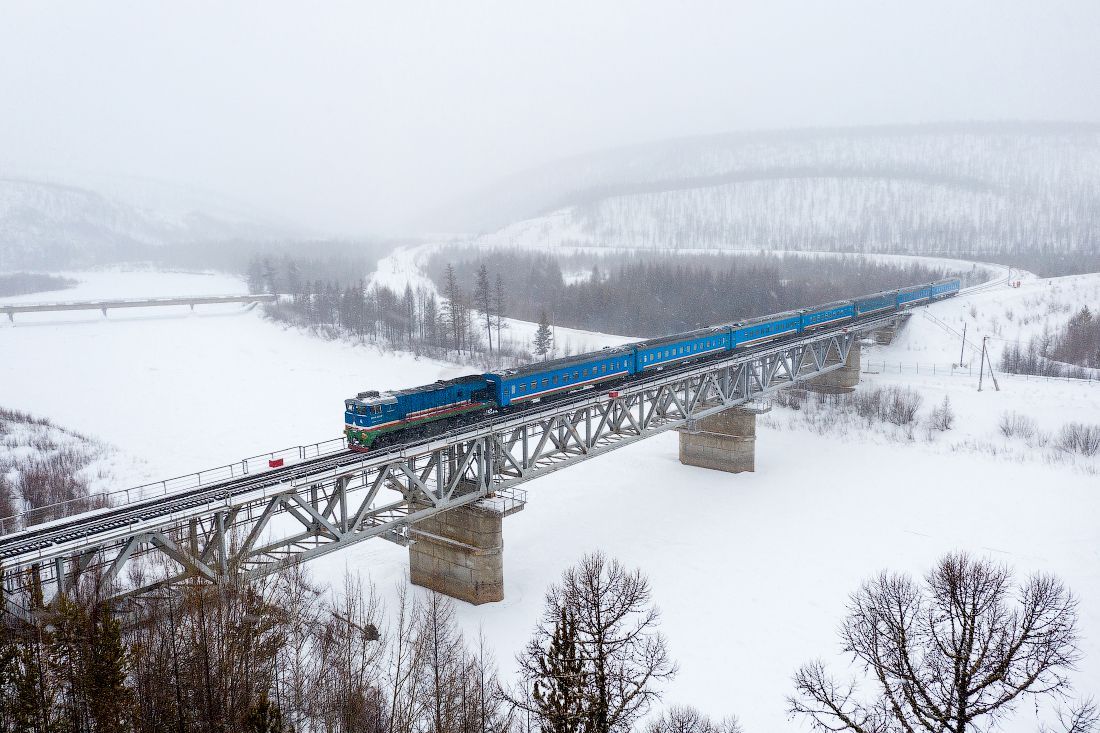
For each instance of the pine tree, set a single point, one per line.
(109, 699)
(264, 717)
(255, 276)
(454, 313)
(544, 337)
(560, 688)
(483, 301)
(500, 303)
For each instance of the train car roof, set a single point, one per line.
(876, 295)
(676, 337)
(388, 397)
(762, 319)
(560, 363)
(823, 306)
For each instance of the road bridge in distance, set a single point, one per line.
(104, 305)
(443, 496)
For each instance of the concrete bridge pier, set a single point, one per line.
(460, 553)
(839, 381)
(725, 441)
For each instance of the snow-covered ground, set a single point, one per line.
(752, 571)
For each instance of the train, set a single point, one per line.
(373, 419)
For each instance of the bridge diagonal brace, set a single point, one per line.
(172, 550)
(328, 526)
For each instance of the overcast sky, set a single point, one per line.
(350, 118)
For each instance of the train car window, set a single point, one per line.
(555, 379)
(546, 383)
(603, 368)
(576, 375)
(376, 409)
(522, 388)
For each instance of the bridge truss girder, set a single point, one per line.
(254, 534)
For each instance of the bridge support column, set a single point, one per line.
(460, 553)
(839, 381)
(723, 442)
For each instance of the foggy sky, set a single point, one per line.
(354, 117)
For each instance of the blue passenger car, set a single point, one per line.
(765, 328)
(656, 353)
(915, 295)
(827, 315)
(945, 288)
(544, 378)
(877, 303)
(371, 414)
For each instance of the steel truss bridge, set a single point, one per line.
(255, 524)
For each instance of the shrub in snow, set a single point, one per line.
(943, 417)
(44, 471)
(1013, 424)
(897, 405)
(1079, 438)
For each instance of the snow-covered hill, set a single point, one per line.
(965, 188)
(50, 225)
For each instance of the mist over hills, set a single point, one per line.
(46, 225)
(944, 188)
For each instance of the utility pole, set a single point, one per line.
(981, 366)
(981, 373)
(962, 349)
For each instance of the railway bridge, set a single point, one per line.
(443, 497)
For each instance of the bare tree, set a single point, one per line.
(614, 629)
(686, 719)
(952, 654)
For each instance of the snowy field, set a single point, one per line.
(184, 391)
(752, 571)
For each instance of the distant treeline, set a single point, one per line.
(1073, 351)
(654, 295)
(464, 323)
(21, 283)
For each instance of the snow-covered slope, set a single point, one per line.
(45, 224)
(942, 189)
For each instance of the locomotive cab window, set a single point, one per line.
(376, 409)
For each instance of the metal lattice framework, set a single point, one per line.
(255, 525)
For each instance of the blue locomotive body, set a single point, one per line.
(372, 414)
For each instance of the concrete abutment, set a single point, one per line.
(725, 441)
(842, 380)
(460, 553)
